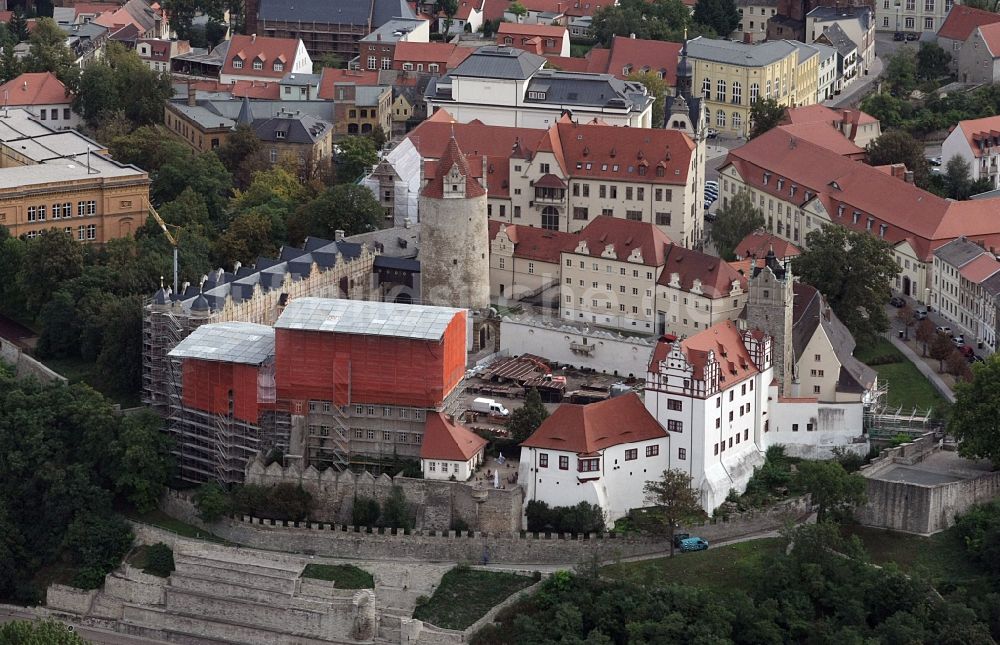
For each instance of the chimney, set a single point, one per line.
(338, 235)
(908, 177)
(192, 97)
(632, 35)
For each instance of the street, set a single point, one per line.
(100, 636)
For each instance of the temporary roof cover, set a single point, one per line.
(419, 322)
(228, 342)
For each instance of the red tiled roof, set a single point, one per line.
(991, 36)
(567, 7)
(452, 157)
(980, 268)
(826, 136)
(475, 137)
(567, 63)
(639, 54)
(716, 277)
(265, 48)
(759, 243)
(974, 129)
(466, 8)
(519, 29)
(587, 429)
(625, 236)
(533, 243)
(623, 154)
(910, 214)
(39, 88)
(722, 338)
(332, 75)
(445, 439)
(962, 20)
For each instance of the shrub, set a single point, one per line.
(582, 518)
(212, 502)
(159, 560)
(280, 502)
(396, 512)
(458, 524)
(365, 511)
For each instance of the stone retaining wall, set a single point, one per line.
(25, 366)
(69, 599)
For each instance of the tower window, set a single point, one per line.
(767, 294)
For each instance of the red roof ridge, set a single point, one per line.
(445, 439)
(588, 429)
(453, 158)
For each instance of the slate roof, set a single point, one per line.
(959, 252)
(736, 53)
(839, 39)
(497, 61)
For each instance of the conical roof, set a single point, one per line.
(200, 303)
(245, 117)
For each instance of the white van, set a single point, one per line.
(489, 406)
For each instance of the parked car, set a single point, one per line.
(967, 352)
(943, 329)
(712, 190)
(920, 313)
(897, 302)
(711, 183)
(709, 217)
(899, 36)
(934, 161)
(712, 133)
(911, 36)
(959, 340)
(694, 544)
(680, 537)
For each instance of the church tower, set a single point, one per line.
(454, 237)
(769, 308)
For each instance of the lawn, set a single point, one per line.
(466, 595)
(159, 518)
(907, 386)
(719, 568)
(77, 370)
(345, 576)
(941, 558)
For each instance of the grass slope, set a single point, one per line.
(466, 595)
(345, 576)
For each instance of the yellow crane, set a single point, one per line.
(170, 238)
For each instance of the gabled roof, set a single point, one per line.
(641, 54)
(758, 243)
(520, 29)
(447, 440)
(289, 128)
(959, 252)
(983, 267)
(264, 48)
(962, 20)
(826, 136)
(40, 88)
(839, 39)
(566, 7)
(624, 236)
(475, 138)
(452, 157)
(532, 243)
(587, 429)
(986, 130)
(715, 276)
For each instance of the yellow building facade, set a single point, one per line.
(732, 76)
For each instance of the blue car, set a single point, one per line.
(694, 544)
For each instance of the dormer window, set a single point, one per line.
(781, 183)
(508, 40)
(626, 70)
(540, 96)
(279, 67)
(791, 191)
(840, 211)
(767, 177)
(258, 64)
(882, 228)
(279, 134)
(857, 216)
(237, 63)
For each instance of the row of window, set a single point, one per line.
(911, 5)
(62, 211)
(431, 67)
(83, 232)
(609, 268)
(386, 63)
(721, 446)
(53, 114)
(432, 466)
(387, 435)
(258, 65)
(593, 464)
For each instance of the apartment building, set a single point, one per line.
(536, 38)
(63, 180)
(433, 58)
(754, 15)
(501, 85)
(260, 58)
(966, 289)
(525, 260)
(376, 51)
(732, 76)
(857, 22)
(359, 109)
(44, 97)
(911, 15)
(695, 291)
(157, 53)
(977, 141)
(957, 28)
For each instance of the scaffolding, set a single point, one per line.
(883, 421)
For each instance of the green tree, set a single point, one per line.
(38, 632)
(12, 254)
(655, 20)
(527, 418)
(736, 219)
(958, 366)
(159, 560)
(658, 89)
(10, 66)
(119, 362)
(958, 178)
(720, 15)
(52, 258)
(365, 511)
(673, 501)
(248, 237)
(204, 174)
(121, 81)
(941, 349)
(144, 460)
(853, 270)
(932, 61)
(328, 59)
(396, 511)
(975, 417)
(18, 26)
(97, 544)
(834, 491)
(243, 155)
(188, 211)
(765, 115)
(901, 72)
(517, 9)
(897, 146)
(449, 8)
(345, 207)
(60, 333)
(906, 317)
(48, 53)
(355, 157)
(212, 502)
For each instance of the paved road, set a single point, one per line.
(100, 636)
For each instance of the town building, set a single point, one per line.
(801, 186)
(535, 38)
(695, 291)
(501, 85)
(377, 50)
(754, 15)
(60, 179)
(568, 13)
(433, 57)
(626, 56)
(325, 26)
(301, 138)
(977, 142)
(360, 109)
(334, 383)
(979, 58)
(157, 53)
(860, 128)
(856, 21)
(449, 450)
(957, 28)
(469, 17)
(44, 97)
(966, 290)
(911, 15)
(525, 261)
(601, 454)
(732, 76)
(848, 56)
(254, 58)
